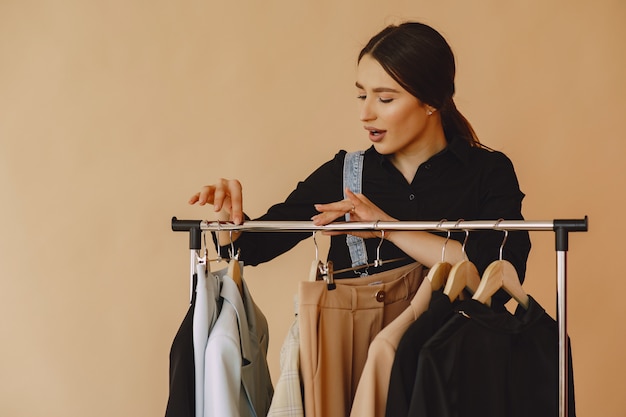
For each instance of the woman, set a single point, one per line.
(425, 164)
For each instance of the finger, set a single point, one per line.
(219, 195)
(343, 206)
(205, 195)
(333, 232)
(236, 201)
(355, 199)
(327, 207)
(194, 198)
(326, 217)
(354, 216)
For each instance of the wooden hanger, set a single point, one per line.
(234, 271)
(463, 274)
(438, 273)
(501, 274)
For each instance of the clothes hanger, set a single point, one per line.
(234, 268)
(501, 274)
(204, 259)
(377, 262)
(321, 271)
(463, 275)
(438, 273)
(314, 273)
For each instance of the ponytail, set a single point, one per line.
(455, 124)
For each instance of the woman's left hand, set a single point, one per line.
(361, 209)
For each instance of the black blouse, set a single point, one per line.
(460, 182)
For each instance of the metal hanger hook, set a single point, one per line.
(445, 243)
(206, 248)
(506, 235)
(317, 253)
(231, 251)
(456, 226)
(378, 261)
(217, 242)
(465, 243)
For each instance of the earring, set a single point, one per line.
(429, 112)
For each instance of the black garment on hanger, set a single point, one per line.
(404, 366)
(182, 374)
(490, 364)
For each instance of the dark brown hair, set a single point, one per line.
(421, 61)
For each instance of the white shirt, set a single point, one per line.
(237, 379)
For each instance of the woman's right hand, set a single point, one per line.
(226, 197)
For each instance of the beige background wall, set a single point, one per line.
(113, 112)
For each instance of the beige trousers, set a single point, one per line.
(336, 328)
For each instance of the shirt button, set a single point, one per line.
(411, 197)
(380, 296)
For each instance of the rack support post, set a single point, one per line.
(195, 245)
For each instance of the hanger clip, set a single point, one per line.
(326, 273)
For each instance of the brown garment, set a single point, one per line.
(370, 399)
(337, 327)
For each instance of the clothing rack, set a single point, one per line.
(560, 227)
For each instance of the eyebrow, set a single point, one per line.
(378, 89)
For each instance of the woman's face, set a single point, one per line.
(396, 120)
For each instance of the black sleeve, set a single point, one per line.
(324, 185)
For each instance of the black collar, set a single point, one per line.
(457, 147)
